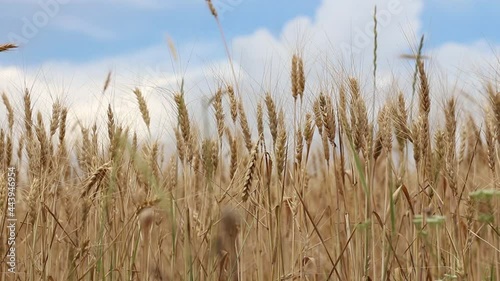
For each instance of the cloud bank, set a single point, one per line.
(337, 39)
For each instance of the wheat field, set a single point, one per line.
(340, 194)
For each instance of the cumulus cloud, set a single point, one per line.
(464, 70)
(78, 25)
(338, 37)
(80, 87)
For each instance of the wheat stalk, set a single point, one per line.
(450, 143)
(10, 111)
(8, 151)
(328, 117)
(33, 199)
(308, 133)
(3, 195)
(359, 118)
(107, 82)
(424, 110)
(43, 141)
(142, 106)
(212, 8)
(439, 150)
(318, 116)
(326, 149)
(401, 122)
(153, 160)
(294, 76)
(209, 152)
(494, 99)
(7, 47)
(416, 132)
(299, 147)
(228, 233)
(233, 145)
(2, 147)
(96, 178)
(343, 112)
(181, 146)
(62, 128)
(490, 143)
(183, 117)
(260, 122)
(219, 113)
(233, 103)
(28, 113)
(273, 117)
(249, 173)
(301, 79)
(281, 147)
(385, 124)
(20, 148)
(54, 121)
(247, 135)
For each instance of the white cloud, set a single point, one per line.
(75, 24)
(466, 69)
(338, 37)
(475, 58)
(79, 86)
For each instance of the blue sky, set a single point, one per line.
(86, 30)
(462, 21)
(71, 51)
